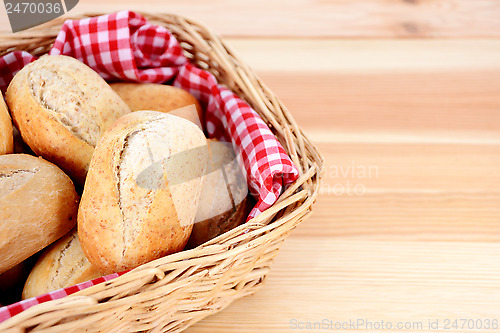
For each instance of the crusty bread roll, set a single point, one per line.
(61, 108)
(6, 133)
(38, 205)
(224, 201)
(61, 265)
(160, 97)
(142, 190)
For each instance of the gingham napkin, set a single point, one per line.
(124, 46)
(11, 310)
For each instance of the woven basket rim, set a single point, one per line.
(293, 206)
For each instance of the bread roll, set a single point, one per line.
(61, 265)
(224, 201)
(38, 205)
(160, 97)
(61, 108)
(6, 133)
(142, 190)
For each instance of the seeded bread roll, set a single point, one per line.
(38, 205)
(61, 265)
(61, 108)
(6, 131)
(224, 201)
(142, 190)
(160, 97)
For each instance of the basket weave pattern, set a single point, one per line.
(174, 292)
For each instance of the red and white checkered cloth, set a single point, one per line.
(124, 46)
(11, 310)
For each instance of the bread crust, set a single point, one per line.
(61, 265)
(6, 130)
(122, 225)
(208, 229)
(224, 201)
(38, 205)
(45, 128)
(159, 97)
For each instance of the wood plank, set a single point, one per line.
(432, 168)
(408, 103)
(316, 278)
(367, 56)
(437, 90)
(406, 216)
(325, 18)
(409, 191)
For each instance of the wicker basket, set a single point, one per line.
(174, 292)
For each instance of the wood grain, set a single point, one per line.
(393, 102)
(407, 216)
(324, 18)
(408, 191)
(366, 56)
(419, 167)
(395, 281)
(403, 90)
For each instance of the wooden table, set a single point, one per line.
(403, 99)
